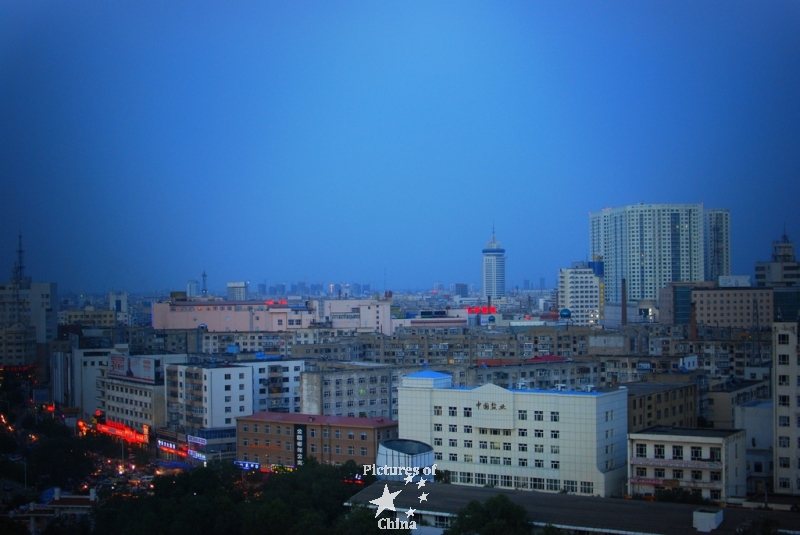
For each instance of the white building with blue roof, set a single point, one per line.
(545, 440)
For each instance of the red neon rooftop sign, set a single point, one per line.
(481, 310)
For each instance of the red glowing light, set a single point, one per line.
(51, 408)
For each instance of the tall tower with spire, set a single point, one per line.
(494, 270)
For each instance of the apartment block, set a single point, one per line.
(661, 404)
(709, 463)
(786, 403)
(203, 401)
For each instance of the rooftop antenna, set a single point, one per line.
(205, 288)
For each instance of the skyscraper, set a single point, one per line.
(650, 245)
(717, 243)
(494, 270)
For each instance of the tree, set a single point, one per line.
(498, 516)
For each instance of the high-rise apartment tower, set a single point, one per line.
(650, 245)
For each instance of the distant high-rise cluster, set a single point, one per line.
(494, 270)
(650, 245)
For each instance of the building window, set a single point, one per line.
(641, 450)
(783, 462)
(468, 429)
(523, 462)
(483, 459)
(351, 450)
(453, 457)
(522, 415)
(437, 441)
(658, 451)
(677, 452)
(716, 454)
(783, 442)
(437, 427)
(697, 475)
(783, 421)
(452, 411)
(659, 473)
(641, 471)
(453, 443)
(587, 487)
(677, 474)
(538, 433)
(554, 433)
(467, 412)
(452, 428)
(555, 465)
(538, 463)
(522, 447)
(437, 410)
(538, 416)
(467, 443)
(697, 453)
(554, 417)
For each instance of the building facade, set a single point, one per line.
(741, 307)
(661, 404)
(717, 243)
(554, 440)
(783, 269)
(709, 463)
(203, 402)
(494, 271)
(786, 402)
(287, 440)
(581, 291)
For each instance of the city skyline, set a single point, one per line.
(141, 145)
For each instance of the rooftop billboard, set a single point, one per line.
(133, 368)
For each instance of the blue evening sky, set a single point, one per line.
(143, 142)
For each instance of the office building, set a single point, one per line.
(494, 271)
(581, 291)
(273, 440)
(131, 394)
(556, 440)
(650, 245)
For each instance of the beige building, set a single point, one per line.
(709, 463)
(741, 307)
(661, 404)
(718, 404)
(89, 317)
